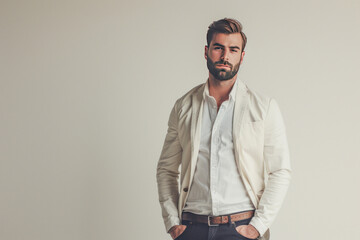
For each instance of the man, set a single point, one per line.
(231, 144)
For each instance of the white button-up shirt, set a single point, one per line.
(217, 188)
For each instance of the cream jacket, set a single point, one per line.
(261, 154)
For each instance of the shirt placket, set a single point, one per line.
(214, 156)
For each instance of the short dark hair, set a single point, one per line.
(226, 25)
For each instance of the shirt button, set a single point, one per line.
(185, 189)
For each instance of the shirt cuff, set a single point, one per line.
(258, 224)
(171, 222)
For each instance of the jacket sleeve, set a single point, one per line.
(168, 172)
(277, 162)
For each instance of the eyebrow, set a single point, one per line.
(220, 45)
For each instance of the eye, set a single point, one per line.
(233, 50)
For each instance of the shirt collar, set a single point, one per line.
(232, 93)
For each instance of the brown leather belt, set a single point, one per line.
(216, 220)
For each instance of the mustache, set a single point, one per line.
(224, 63)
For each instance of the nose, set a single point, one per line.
(225, 55)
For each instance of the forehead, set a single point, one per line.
(232, 39)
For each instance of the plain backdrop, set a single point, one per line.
(86, 89)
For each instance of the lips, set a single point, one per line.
(222, 65)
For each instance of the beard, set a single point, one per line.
(222, 74)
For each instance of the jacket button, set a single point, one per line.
(185, 189)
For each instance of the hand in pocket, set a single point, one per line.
(177, 230)
(248, 231)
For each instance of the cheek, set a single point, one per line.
(236, 60)
(214, 55)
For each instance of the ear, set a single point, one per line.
(242, 57)
(205, 53)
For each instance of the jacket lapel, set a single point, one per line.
(196, 117)
(241, 104)
(241, 107)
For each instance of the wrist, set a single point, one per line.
(172, 229)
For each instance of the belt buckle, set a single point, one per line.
(209, 222)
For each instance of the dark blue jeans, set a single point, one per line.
(201, 231)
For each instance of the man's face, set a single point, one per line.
(224, 55)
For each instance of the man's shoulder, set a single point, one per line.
(188, 95)
(258, 103)
(255, 96)
(258, 97)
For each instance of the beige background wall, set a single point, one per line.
(86, 88)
